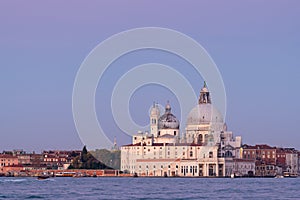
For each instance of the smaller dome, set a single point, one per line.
(168, 120)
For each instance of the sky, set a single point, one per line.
(255, 44)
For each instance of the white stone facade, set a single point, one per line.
(202, 150)
(292, 162)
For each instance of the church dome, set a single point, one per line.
(204, 114)
(168, 120)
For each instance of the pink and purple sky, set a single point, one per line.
(255, 44)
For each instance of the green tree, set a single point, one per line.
(87, 161)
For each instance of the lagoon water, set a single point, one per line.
(149, 188)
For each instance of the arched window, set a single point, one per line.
(206, 138)
(200, 139)
(228, 154)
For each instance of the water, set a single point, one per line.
(149, 188)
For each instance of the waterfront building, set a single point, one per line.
(58, 159)
(240, 167)
(264, 157)
(206, 148)
(7, 161)
(291, 161)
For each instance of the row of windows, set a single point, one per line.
(246, 166)
(3, 164)
(3, 160)
(155, 148)
(185, 169)
(265, 167)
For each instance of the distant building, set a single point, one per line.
(264, 157)
(206, 148)
(292, 162)
(7, 160)
(240, 167)
(58, 159)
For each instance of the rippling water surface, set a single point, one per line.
(149, 188)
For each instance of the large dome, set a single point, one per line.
(204, 114)
(168, 120)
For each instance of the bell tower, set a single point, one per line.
(154, 116)
(204, 97)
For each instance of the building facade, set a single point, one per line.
(206, 148)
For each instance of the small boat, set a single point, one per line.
(289, 175)
(279, 176)
(43, 177)
(65, 174)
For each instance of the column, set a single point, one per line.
(207, 169)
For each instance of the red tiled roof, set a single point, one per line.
(8, 156)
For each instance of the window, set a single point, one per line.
(174, 132)
(191, 153)
(210, 154)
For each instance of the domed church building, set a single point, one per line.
(205, 149)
